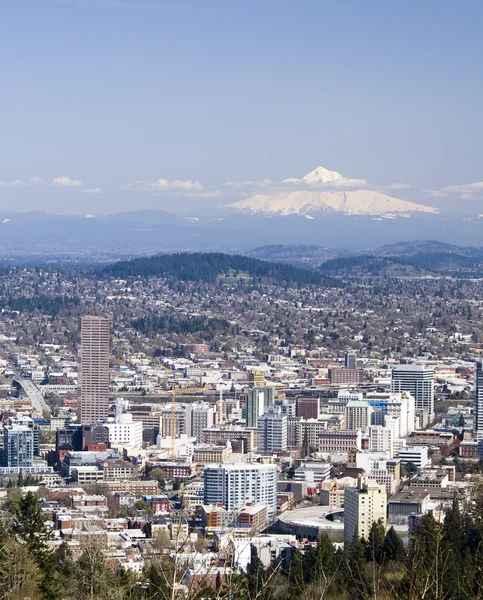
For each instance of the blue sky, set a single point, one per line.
(102, 98)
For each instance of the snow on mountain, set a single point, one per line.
(314, 196)
(318, 175)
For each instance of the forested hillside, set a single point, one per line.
(208, 267)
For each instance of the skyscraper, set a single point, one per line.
(350, 361)
(357, 415)
(419, 381)
(94, 369)
(272, 432)
(259, 400)
(478, 411)
(255, 406)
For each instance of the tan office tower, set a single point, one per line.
(94, 369)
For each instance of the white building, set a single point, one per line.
(235, 485)
(123, 431)
(313, 471)
(272, 432)
(363, 505)
(417, 455)
(184, 446)
(396, 405)
(346, 396)
(380, 439)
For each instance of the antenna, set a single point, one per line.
(173, 425)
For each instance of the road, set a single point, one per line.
(33, 392)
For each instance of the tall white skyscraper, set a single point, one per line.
(94, 369)
(235, 485)
(419, 381)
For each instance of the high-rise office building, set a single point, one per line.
(272, 432)
(350, 361)
(418, 381)
(94, 369)
(180, 421)
(478, 398)
(199, 416)
(363, 505)
(234, 486)
(308, 408)
(357, 415)
(254, 406)
(259, 400)
(18, 444)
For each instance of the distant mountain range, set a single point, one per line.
(330, 232)
(415, 259)
(325, 191)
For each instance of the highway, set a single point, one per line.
(35, 395)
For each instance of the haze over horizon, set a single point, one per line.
(116, 105)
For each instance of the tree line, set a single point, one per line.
(48, 305)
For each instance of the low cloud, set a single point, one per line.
(65, 181)
(396, 186)
(466, 191)
(62, 181)
(240, 185)
(96, 190)
(342, 183)
(165, 185)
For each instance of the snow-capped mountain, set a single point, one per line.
(322, 190)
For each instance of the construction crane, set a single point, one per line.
(173, 425)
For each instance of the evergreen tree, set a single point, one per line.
(29, 523)
(393, 548)
(375, 543)
(160, 578)
(357, 580)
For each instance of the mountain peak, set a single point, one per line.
(318, 175)
(322, 175)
